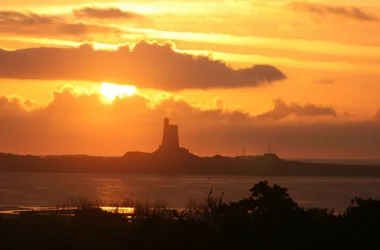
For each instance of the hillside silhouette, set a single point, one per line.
(171, 158)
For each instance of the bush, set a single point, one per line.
(267, 219)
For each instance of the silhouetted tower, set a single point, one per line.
(170, 137)
(165, 132)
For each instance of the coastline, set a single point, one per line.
(172, 163)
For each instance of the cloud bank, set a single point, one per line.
(78, 123)
(282, 110)
(146, 65)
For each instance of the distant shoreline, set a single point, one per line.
(183, 162)
(340, 161)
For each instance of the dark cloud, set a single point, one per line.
(105, 13)
(75, 123)
(327, 10)
(282, 110)
(19, 23)
(147, 65)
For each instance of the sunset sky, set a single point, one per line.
(98, 77)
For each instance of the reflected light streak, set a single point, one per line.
(120, 210)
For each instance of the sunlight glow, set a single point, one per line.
(105, 46)
(110, 91)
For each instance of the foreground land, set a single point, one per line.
(182, 163)
(267, 219)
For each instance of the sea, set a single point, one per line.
(360, 162)
(38, 190)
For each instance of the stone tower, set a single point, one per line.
(170, 139)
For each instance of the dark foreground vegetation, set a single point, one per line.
(268, 219)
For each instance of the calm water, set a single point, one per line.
(35, 189)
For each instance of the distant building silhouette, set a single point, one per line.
(269, 154)
(170, 137)
(170, 141)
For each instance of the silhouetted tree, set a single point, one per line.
(364, 210)
(277, 220)
(362, 219)
(267, 219)
(269, 201)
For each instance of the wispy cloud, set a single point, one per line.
(8, 17)
(32, 24)
(325, 80)
(329, 10)
(282, 110)
(105, 13)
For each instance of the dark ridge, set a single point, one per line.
(170, 158)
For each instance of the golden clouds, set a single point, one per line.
(13, 105)
(230, 47)
(76, 121)
(293, 41)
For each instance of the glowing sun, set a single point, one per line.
(110, 91)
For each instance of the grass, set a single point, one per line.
(267, 219)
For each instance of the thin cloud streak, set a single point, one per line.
(244, 59)
(324, 10)
(32, 24)
(262, 42)
(325, 80)
(105, 13)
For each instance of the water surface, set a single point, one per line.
(46, 189)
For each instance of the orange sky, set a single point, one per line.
(302, 75)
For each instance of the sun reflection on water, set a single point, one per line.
(120, 210)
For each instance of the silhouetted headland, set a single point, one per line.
(170, 158)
